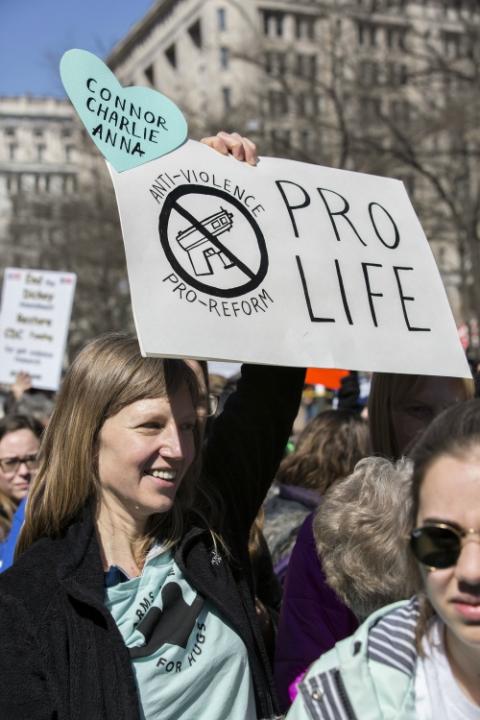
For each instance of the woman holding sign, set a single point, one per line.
(420, 659)
(132, 593)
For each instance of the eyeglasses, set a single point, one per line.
(11, 465)
(438, 545)
(210, 407)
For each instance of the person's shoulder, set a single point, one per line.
(385, 640)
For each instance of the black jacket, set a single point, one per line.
(61, 654)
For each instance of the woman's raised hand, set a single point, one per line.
(233, 144)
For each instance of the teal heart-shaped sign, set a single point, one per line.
(130, 126)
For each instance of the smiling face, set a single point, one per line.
(450, 493)
(18, 443)
(145, 451)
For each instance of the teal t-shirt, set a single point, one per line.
(188, 662)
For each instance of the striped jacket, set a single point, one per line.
(368, 676)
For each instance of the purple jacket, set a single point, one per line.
(312, 618)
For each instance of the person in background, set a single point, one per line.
(400, 407)
(19, 444)
(349, 560)
(420, 659)
(327, 449)
(23, 399)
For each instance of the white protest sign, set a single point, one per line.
(284, 263)
(34, 319)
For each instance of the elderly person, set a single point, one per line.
(349, 560)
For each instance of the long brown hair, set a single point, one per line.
(106, 376)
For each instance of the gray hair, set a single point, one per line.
(361, 531)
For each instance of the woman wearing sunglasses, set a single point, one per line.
(420, 659)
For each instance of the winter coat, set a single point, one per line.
(61, 654)
(369, 675)
(312, 618)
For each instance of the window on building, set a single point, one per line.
(395, 38)
(69, 150)
(195, 32)
(66, 132)
(12, 151)
(301, 105)
(305, 139)
(305, 27)
(227, 99)
(41, 152)
(221, 19)
(281, 138)
(369, 72)
(366, 34)
(275, 63)
(224, 57)
(9, 131)
(150, 74)
(278, 102)
(273, 23)
(171, 55)
(306, 65)
(38, 132)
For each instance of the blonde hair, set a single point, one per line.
(106, 376)
(361, 532)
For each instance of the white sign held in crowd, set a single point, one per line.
(34, 319)
(284, 263)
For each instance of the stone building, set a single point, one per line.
(57, 210)
(373, 85)
(39, 139)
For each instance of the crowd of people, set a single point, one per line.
(165, 558)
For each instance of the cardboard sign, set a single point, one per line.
(284, 263)
(34, 319)
(130, 126)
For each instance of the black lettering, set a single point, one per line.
(212, 305)
(343, 293)
(105, 94)
(291, 208)
(137, 150)
(396, 239)
(405, 298)
(90, 82)
(151, 117)
(225, 308)
(263, 297)
(342, 212)
(90, 101)
(369, 290)
(191, 296)
(307, 296)
(97, 131)
(180, 288)
(135, 112)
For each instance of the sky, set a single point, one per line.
(34, 34)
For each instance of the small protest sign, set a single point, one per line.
(130, 126)
(285, 263)
(34, 319)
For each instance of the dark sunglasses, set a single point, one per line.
(438, 545)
